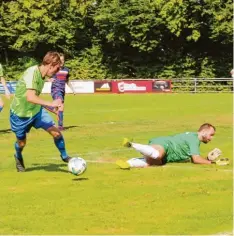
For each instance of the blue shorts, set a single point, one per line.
(58, 95)
(22, 125)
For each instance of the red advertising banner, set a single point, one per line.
(132, 86)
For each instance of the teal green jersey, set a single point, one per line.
(31, 79)
(180, 146)
(1, 71)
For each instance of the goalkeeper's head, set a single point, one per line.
(206, 132)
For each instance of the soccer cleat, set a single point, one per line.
(123, 164)
(222, 162)
(126, 143)
(19, 164)
(67, 159)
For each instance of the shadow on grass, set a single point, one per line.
(70, 127)
(5, 131)
(47, 167)
(80, 179)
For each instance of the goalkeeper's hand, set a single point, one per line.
(222, 161)
(214, 154)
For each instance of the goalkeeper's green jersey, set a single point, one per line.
(179, 147)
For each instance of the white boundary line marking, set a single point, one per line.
(164, 166)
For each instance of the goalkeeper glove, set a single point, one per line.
(214, 154)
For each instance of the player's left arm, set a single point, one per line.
(71, 87)
(69, 84)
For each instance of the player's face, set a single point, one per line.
(62, 61)
(53, 69)
(207, 135)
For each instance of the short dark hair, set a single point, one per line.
(206, 126)
(51, 58)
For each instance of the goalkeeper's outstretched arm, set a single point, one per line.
(200, 160)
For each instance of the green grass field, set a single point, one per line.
(179, 198)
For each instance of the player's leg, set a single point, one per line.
(1, 104)
(20, 126)
(60, 116)
(19, 146)
(59, 96)
(45, 121)
(153, 154)
(138, 162)
(59, 142)
(151, 151)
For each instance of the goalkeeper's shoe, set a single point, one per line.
(126, 143)
(19, 164)
(222, 162)
(123, 164)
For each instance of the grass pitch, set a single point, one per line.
(179, 198)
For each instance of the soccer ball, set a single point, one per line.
(77, 166)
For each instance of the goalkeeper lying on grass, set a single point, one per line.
(178, 148)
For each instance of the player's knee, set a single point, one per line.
(22, 144)
(151, 161)
(57, 135)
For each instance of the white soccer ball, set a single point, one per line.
(77, 166)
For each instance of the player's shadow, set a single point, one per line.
(70, 127)
(80, 179)
(48, 167)
(5, 131)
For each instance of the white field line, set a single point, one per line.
(164, 166)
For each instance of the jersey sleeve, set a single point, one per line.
(194, 145)
(30, 80)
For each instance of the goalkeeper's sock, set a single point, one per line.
(60, 144)
(137, 162)
(60, 117)
(146, 150)
(1, 107)
(18, 150)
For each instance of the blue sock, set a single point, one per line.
(60, 144)
(60, 121)
(1, 108)
(18, 150)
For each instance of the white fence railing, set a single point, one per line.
(202, 85)
(181, 85)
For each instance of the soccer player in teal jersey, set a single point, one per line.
(178, 148)
(7, 93)
(27, 110)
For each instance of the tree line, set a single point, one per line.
(112, 39)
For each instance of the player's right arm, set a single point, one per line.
(197, 159)
(33, 98)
